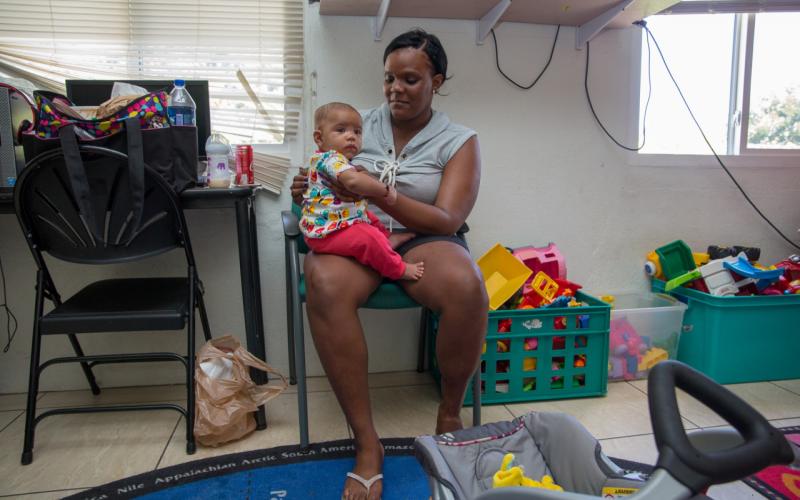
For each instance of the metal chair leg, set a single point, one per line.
(193, 296)
(33, 379)
(290, 317)
(423, 338)
(33, 390)
(87, 370)
(299, 347)
(476, 398)
(201, 305)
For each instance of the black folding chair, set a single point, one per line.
(92, 205)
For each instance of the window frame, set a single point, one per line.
(737, 153)
(749, 24)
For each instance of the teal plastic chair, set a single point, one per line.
(389, 295)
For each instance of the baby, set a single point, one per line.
(331, 225)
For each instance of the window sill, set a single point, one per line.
(708, 161)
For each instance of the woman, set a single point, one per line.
(436, 167)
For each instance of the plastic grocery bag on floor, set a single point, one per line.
(226, 396)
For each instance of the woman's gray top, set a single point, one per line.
(418, 168)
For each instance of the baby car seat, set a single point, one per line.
(460, 465)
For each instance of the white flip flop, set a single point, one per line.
(366, 483)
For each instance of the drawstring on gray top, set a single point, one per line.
(388, 176)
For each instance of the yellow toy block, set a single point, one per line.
(700, 259)
(651, 358)
(503, 274)
(545, 286)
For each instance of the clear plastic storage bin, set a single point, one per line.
(645, 329)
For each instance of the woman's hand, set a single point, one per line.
(299, 185)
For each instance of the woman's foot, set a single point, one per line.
(413, 271)
(369, 462)
(397, 239)
(447, 422)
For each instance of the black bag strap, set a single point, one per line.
(80, 184)
(133, 130)
(77, 180)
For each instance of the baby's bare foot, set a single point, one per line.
(397, 239)
(413, 271)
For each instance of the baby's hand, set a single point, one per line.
(343, 193)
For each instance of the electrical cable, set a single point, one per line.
(646, 105)
(524, 87)
(708, 143)
(9, 315)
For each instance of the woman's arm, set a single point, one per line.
(454, 201)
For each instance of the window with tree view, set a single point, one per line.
(740, 75)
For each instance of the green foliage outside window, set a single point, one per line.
(777, 123)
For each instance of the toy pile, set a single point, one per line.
(531, 278)
(527, 278)
(723, 271)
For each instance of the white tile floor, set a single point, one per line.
(75, 452)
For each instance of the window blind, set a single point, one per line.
(250, 51)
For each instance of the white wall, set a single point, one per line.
(549, 174)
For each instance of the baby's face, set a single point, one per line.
(341, 131)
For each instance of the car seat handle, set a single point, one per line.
(763, 444)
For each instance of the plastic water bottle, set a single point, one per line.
(218, 150)
(181, 106)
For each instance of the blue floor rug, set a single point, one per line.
(276, 473)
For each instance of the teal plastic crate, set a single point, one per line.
(740, 339)
(546, 354)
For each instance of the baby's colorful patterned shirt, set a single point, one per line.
(323, 211)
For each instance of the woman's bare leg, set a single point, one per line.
(453, 287)
(336, 287)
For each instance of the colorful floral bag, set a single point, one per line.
(151, 110)
(170, 150)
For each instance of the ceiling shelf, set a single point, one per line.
(590, 16)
